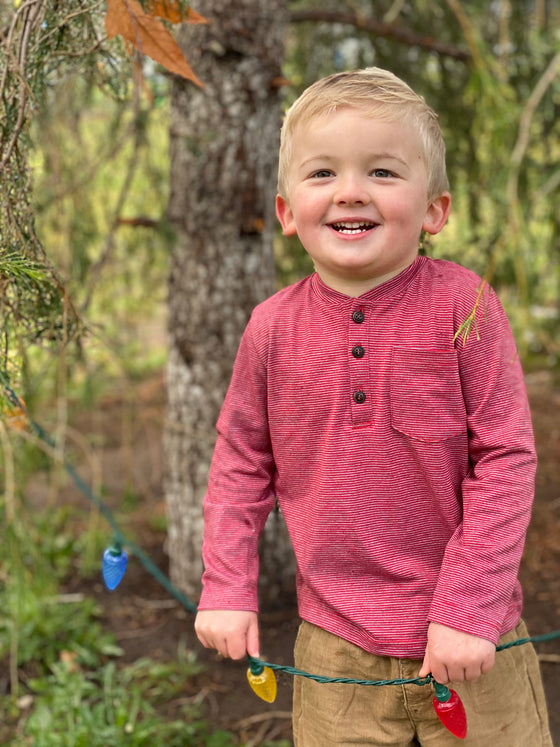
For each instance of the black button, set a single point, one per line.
(358, 351)
(359, 397)
(358, 317)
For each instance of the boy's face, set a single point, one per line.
(357, 198)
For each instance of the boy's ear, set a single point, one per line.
(285, 216)
(437, 213)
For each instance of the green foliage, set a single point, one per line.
(37, 623)
(79, 151)
(115, 707)
(46, 627)
(38, 40)
(19, 269)
(67, 688)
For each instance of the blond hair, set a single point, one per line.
(378, 93)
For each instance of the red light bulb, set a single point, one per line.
(450, 710)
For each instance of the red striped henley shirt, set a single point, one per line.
(401, 457)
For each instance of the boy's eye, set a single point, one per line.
(381, 173)
(321, 174)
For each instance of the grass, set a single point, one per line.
(67, 684)
(111, 706)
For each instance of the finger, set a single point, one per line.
(235, 649)
(457, 673)
(440, 673)
(488, 663)
(203, 640)
(253, 640)
(234, 645)
(426, 667)
(208, 641)
(201, 635)
(471, 674)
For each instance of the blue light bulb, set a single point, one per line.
(114, 566)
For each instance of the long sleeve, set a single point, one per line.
(478, 577)
(240, 494)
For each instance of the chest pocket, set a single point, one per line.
(425, 394)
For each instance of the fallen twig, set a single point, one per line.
(259, 717)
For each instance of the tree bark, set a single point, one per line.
(224, 145)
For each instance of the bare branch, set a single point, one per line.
(518, 153)
(469, 33)
(97, 268)
(30, 16)
(523, 137)
(139, 222)
(385, 30)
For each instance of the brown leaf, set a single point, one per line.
(15, 416)
(194, 17)
(148, 35)
(170, 10)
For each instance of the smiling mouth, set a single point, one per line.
(353, 227)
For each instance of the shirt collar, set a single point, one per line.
(393, 288)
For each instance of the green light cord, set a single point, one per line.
(119, 537)
(256, 665)
(533, 639)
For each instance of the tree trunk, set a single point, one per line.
(224, 145)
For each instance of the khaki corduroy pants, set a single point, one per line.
(505, 708)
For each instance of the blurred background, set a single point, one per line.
(138, 145)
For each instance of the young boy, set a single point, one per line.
(400, 450)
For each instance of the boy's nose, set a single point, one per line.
(351, 191)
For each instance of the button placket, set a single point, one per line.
(359, 367)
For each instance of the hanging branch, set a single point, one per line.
(33, 294)
(523, 136)
(468, 32)
(97, 267)
(383, 29)
(38, 39)
(517, 156)
(26, 19)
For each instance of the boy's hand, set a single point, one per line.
(233, 633)
(453, 656)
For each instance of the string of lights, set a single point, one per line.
(260, 674)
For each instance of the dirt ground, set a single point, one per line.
(148, 622)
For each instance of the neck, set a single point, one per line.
(355, 287)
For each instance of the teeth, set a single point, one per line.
(352, 227)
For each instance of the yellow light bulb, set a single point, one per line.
(264, 684)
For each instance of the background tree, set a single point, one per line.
(224, 142)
